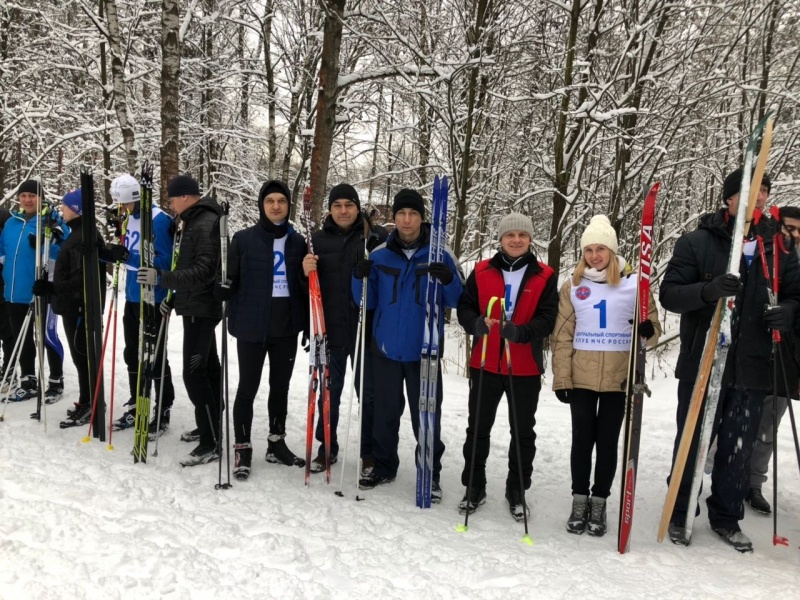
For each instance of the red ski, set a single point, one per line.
(636, 374)
(318, 369)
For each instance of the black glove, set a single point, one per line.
(118, 253)
(223, 293)
(441, 271)
(564, 396)
(481, 328)
(165, 308)
(43, 287)
(775, 317)
(646, 328)
(58, 233)
(510, 332)
(305, 343)
(363, 268)
(721, 286)
(32, 240)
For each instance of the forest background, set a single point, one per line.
(558, 109)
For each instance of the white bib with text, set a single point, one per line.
(602, 313)
(280, 282)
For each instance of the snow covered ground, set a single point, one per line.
(80, 521)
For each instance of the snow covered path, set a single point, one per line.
(79, 521)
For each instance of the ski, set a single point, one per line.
(636, 387)
(92, 300)
(429, 363)
(715, 352)
(148, 313)
(318, 369)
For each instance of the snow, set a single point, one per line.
(81, 521)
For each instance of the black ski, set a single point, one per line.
(92, 300)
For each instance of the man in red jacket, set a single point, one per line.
(531, 306)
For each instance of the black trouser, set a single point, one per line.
(27, 356)
(526, 397)
(75, 329)
(596, 422)
(201, 374)
(130, 331)
(735, 429)
(281, 352)
(388, 376)
(6, 333)
(338, 372)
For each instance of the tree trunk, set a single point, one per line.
(120, 92)
(326, 102)
(170, 92)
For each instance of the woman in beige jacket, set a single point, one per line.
(591, 347)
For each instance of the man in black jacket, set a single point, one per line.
(695, 279)
(338, 246)
(775, 406)
(193, 284)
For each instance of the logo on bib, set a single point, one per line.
(583, 292)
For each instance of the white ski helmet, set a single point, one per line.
(125, 189)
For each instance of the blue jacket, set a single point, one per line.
(162, 243)
(19, 257)
(396, 291)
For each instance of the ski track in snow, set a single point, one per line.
(80, 521)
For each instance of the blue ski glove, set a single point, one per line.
(441, 271)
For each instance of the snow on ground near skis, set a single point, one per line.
(80, 521)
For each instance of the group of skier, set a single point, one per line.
(510, 305)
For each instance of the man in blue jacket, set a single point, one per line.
(18, 256)
(125, 191)
(398, 273)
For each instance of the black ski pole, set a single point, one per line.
(515, 424)
(223, 396)
(485, 341)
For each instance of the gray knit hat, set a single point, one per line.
(514, 222)
(600, 231)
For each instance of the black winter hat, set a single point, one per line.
(31, 186)
(272, 186)
(183, 185)
(733, 183)
(343, 191)
(407, 198)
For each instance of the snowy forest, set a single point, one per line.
(556, 108)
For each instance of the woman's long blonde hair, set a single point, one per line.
(613, 274)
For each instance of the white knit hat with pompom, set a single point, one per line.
(600, 231)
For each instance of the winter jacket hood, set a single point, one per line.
(272, 183)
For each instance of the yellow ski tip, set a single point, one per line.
(461, 528)
(526, 539)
